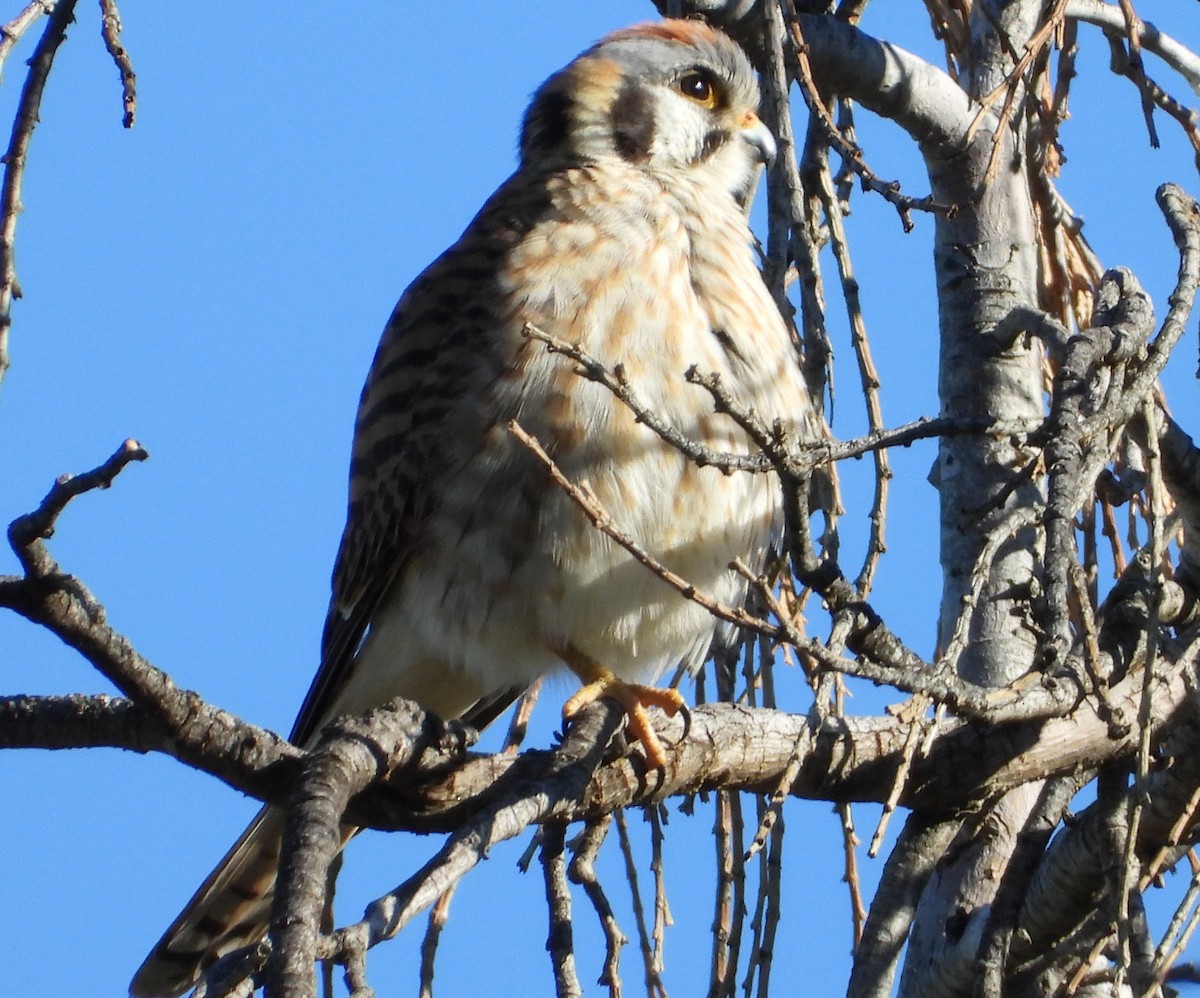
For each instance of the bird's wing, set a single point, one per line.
(448, 340)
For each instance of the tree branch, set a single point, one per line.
(24, 122)
(1104, 15)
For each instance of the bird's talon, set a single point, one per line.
(633, 698)
(685, 713)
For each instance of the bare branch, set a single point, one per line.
(560, 943)
(110, 29)
(650, 964)
(24, 122)
(350, 754)
(439, 915)
(27, 532)
(1121, 324)
(11, 32)
(851, 155)
(1105, 15)
(541, 786)
(582, 871)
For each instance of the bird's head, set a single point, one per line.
(676, 98)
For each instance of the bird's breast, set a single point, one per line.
(508, 555)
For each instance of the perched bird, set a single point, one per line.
(464, 572)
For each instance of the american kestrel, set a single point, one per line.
(464, 573)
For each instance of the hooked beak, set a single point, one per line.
(755, 134)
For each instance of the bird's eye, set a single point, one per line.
(697, 86)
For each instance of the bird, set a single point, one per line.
(464, 573)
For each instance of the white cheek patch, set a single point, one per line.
(680, 127)
(685, 143)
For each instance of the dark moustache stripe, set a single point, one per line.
(632, 123)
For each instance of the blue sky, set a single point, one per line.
(214, 282)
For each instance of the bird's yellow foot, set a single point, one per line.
(599, 683)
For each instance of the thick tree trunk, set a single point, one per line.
(985, 258)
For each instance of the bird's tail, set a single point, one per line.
(230, 910)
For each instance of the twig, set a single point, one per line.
(110, 29)
(770, 439)
(543, 784)
(913, 712)
(615, 381)
(850, 843)
(519, 725)
(1069, 268)
(1131, 866)
(603, 522)
(950, 25)
(757, 920)
(439, 915)
(730, 874)
(1089, 636)
(1001, 529)
(560, 943)
(884, 658)
(24, 122)
(654, 984)
(773, 894)
(11, 32)
(27, 532)
(779, 794)
(1136, 70)
(789, 236)
(1180, 58)
(582, 871)
(730, 901)
(853, 156)
(1010, 87)
(868, 377)
(1186, 818)
(1179, 932)
(662, 910)
(1109, 530)
(1153, 95)
(805, 454)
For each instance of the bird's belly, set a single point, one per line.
(530, 577)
